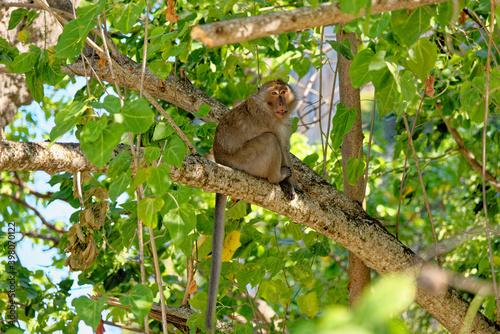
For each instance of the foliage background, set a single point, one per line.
(298, 273)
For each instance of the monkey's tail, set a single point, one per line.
(217, 242)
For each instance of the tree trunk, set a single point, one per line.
(352, 146)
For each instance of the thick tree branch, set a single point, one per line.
(360, 234)
(248, 28)
(173, 90)
(364, 237)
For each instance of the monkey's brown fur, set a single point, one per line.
(253, 137)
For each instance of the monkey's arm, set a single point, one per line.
(217, 243)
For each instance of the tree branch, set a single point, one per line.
(42, 236)
(50, 226)
(468, 155)
(252, 27)
(360, 234)
(173, 90)
(23, 185)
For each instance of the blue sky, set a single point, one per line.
(39, 257)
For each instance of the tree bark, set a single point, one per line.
(248, 28)
(352, 147)
(360, 234)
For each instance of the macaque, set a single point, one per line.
(253, 137)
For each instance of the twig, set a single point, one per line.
(323, 147)
(483, 170)
(50, 226)
(468, 155)
(424, 192)
(23, 185)
(42, 236)
(122, 326)
(410, 134)
(369, 147)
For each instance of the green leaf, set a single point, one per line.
(147, 209)
(422, 58)
(140, 301)
(111, 103)
(52, 74)
(386, 91)
(24, 62)
(119, 185)
(359, 69)
(136, 116)
(89, 310)
(32, 15)
(180, 222)
(301, 273)
(308, 304)
(203, 111)
(244, 328)
(408, 86)
(93, 129)
(124, 16)
(72, 39)
(229, 5)
(35, 85)
(444, 13)
(389, 296)
(16, 16)
(162, 130)
(408, 28)
(199, 300)
(66, 119)
(302, 66)
(237, 211)
(75, 33)
(152, 153)
(140, 178)
(158, 179)
(342, 122)
(378, 23)
(160, 68)
(89, 9)
(100, 151)
(353, 6)
(343, 48)
(270, 290)
(174, 152)
(250, 274)
(355, 168)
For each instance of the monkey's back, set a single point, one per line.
(241, 124)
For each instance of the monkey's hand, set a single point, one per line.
(288, 190)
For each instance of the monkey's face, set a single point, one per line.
(279, 99)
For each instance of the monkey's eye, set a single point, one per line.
(274, 93)
(283, 92)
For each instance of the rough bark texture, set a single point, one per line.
(13, 90)
(338, 217)
(352, 147)
(173, 90)
(360, 234)
(244, 29)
